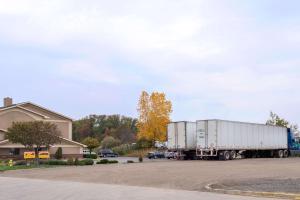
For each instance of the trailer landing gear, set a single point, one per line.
(232, 155)
(285, 153)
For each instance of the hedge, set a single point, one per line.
(92, 156)
(105, 161)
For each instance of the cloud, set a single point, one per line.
(88, 72)
(212, 58)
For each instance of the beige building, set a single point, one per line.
(28, 111)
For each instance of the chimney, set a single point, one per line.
(7, 101)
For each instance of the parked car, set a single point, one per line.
(107, 153)
(170, 155)
(156, 154)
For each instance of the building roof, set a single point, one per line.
(62, 138)
(20, 105)
(71, 141)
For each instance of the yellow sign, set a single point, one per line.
(44, 155)
(29, 155)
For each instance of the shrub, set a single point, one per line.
(140, 152)
(20, 162)
(143, 143)
(113, 161)
(92, 156)
(56, 162)
(140, 158)
(70, 161)
(76, 162)
(86, 162)
(6, 161)
(103, 161)
(123, 149)
(58, 153)
(43, 162)
(130, 161)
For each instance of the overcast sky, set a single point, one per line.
(233, 60)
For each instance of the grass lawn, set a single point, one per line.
(5, 167)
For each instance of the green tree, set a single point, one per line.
(83, 128)
(277, 121)
(91, 143)
(124, 134)
(58, 153)
(34, 134)
(110, 142)
(99, 126)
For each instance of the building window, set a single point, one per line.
(14, 152)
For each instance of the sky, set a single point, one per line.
(224, 59)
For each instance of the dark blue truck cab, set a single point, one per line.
(293, 143)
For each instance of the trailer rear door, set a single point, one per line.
(181, 135)
(206, 134)
(177, 135)
(171, 136)
(212, 134)
(201, 134)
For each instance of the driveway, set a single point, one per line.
(32, 189)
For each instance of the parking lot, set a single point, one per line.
(172, 174)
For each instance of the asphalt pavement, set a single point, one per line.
(32, 189)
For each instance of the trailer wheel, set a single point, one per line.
(280, 154)
(285, 153)
(232, 155)
(224, 155)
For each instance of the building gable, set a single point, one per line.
(16, 114)
(44, 111)
(2, 134)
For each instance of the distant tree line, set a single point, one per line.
(121, 128)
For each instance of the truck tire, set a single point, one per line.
(224, 155)
(232, 155)
(285, 153)
(280, 154)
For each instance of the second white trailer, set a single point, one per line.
(220, 137)
(182, 136)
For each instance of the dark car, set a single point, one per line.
(107, 153)
(155, 155)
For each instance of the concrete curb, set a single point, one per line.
(293, 196)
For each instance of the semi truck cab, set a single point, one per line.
(293, 143)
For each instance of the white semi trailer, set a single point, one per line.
(182, 138)
(226, 139)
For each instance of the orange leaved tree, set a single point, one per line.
(154, 115)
